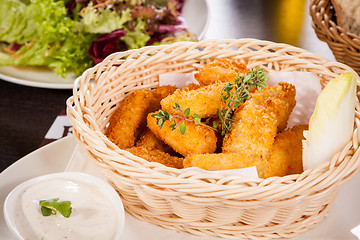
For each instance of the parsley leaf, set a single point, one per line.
(52, 206)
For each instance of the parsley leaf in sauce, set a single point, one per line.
(52, 206)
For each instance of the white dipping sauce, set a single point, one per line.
(92, 215)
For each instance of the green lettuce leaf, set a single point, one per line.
(52, 38)
(73, 55)
(103, 20)
(137, 38)
(10, 19)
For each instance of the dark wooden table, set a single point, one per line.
(26, 113)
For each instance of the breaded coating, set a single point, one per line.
(286, 154)
(254, 129)
(164, 91)
(204, 101)
(130, 118)
(124, 124)
(225, 161)
(191, 86)
(155, 155)
(197, 138)
(222, 70)
(149, 140)
(280, 100)
(159, 94)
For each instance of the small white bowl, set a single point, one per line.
(72, 184)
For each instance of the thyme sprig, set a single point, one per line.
(162, 116)
(233, 94)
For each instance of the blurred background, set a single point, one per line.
(283, 21)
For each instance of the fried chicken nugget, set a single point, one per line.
(204, 101)
(163, 92)
(280, 100)
(125, 125)
(149, 140)
(225, 161)
(286, 154)
(155, 155)
(222, 70)
(191, 86)
(254, 129)
(159, 94)
(197, 138)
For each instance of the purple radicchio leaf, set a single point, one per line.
(180, 25)
(107, 44)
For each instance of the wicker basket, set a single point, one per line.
(344, 45)
(201, 203)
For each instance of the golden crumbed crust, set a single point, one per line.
(204, 101)
(286, 154)
(155, 155)
(222, 70)
(258, 120)
(130, 118)
(225, 161)
(125, 122)
(164, 91)
(159, 94)
(197, 138)
(191, 86)
(279, 100)
(253, 129)
(149, 140)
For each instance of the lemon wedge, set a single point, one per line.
(331, 125)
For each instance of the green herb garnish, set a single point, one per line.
(231, 96)
(164, 115)
(238, 92)
(52, 206)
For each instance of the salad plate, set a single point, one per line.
(65, 155)
(36, 78)
(195, 13)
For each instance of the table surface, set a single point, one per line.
(26, 113)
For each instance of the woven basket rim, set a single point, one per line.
(162, 172)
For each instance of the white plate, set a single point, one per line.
(36, 78)
(64, 153)
(195, 13)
